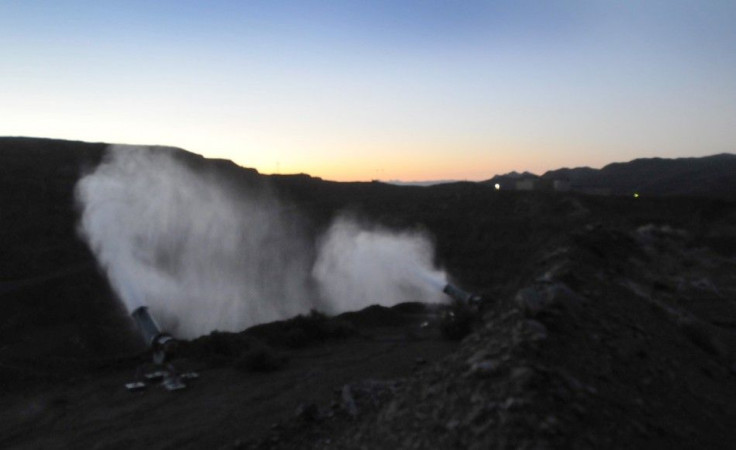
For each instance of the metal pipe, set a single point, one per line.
(146, 324)
(460, 295)
(163, 346)
(156, 339)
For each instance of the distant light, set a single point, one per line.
(636, 195)
(497, 186)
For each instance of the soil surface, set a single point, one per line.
(225, 405)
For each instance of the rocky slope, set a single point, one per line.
(621, 339)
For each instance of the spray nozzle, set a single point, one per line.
(461, 296)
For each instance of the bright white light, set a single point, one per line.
(497, 186)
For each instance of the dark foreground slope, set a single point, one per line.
(623, 339)
(610, 324)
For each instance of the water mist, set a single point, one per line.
(205, 253)
(177, 239)
(359, 266)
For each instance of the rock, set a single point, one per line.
(550, 425)
(452, 424)
(699, 335)
(531, 301)
(537, 330)
(564, 297)
(486, 368)
(308, 412)
(522, 376)
(538, 299)
(579, 409)
(513, 403)
(348, 402)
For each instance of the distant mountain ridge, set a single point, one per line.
(712, 176)
(708, 176)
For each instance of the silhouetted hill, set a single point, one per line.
(508, 180)
(710, 176)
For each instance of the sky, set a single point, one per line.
(384, 89)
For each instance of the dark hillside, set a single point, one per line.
(54, 301)
(609, 322)
(710, 176)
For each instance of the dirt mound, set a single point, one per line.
(621, 341)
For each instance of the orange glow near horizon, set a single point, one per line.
(406, 162)
(402, 170)
(361, 161)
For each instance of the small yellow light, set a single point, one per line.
(636, 195)
(497, 186)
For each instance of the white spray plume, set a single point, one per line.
(204, 255)
(357, 267)
(178, 240)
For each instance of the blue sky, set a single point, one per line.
(359, 90)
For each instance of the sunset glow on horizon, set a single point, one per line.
(387, 90)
